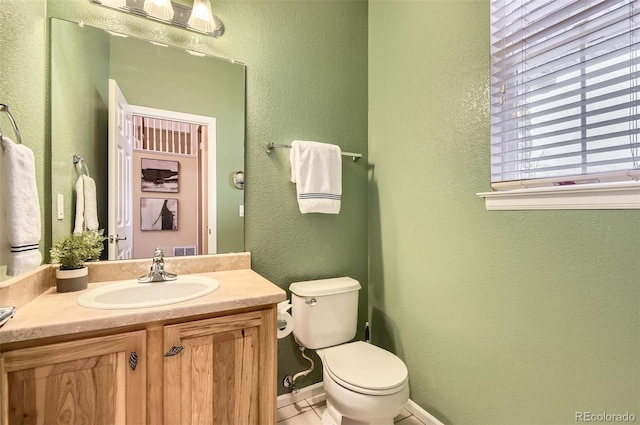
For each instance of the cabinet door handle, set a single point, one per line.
(133, 360)
(173, 351)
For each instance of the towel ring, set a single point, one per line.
(78, 159)
(5, 108)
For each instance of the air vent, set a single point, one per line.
(181, 251)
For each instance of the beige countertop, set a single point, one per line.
(53, 314)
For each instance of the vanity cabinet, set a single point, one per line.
(89, 381)
(221, 372)
(215, 369)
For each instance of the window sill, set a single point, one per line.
(600, 196)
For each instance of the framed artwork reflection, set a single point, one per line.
(158, 214)
(160, 175)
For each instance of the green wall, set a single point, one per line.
(501, 317)
(79, 81)
(22, 87)
(306, 78)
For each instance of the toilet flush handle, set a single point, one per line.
(311, 302)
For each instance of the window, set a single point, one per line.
(565, 107)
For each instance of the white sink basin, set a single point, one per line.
(131, 294)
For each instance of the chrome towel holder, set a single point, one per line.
(270, 146)
(5, 108)
(78, 159)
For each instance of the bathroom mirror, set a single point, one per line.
(188, 131)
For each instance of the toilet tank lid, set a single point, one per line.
(315, 288)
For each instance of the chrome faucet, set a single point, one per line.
(157, 273)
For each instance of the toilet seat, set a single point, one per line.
(365, 368)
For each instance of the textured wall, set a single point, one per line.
(22, 84)
(306, 79)
(501, 317)
(79, 78)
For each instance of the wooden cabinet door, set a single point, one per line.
(81, 382)
(223, 374)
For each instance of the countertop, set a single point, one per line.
(53, 314)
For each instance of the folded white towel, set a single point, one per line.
(22, 208)
(86, 205)
(316, 169)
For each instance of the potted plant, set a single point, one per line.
(72, 252)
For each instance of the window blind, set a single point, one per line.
(565, 77)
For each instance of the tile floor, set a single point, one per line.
(309, 412)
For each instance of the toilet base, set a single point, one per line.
(345, 407)
(332, 417)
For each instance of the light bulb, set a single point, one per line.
(161, 9)
(201, 17)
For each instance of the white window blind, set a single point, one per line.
(565, 76)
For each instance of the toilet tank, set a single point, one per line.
(325, 311)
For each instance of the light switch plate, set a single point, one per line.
(60, 206)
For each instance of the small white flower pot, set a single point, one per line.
(72, 280)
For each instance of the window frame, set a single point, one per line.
(598, 196)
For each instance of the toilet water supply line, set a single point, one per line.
(289, 381)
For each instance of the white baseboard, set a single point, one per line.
(318, 389)
(424, 416)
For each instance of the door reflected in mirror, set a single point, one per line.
(182, 115)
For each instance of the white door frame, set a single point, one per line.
(210, 123)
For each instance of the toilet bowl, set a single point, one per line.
(363, 384)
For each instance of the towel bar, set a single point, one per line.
(271, 146)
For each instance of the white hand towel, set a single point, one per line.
(316, 169)
(86, 205)
(22, 208)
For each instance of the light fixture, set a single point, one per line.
(161, 9)
(197, 19)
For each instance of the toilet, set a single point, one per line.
(364, 384)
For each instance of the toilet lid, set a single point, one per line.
(365, 366)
